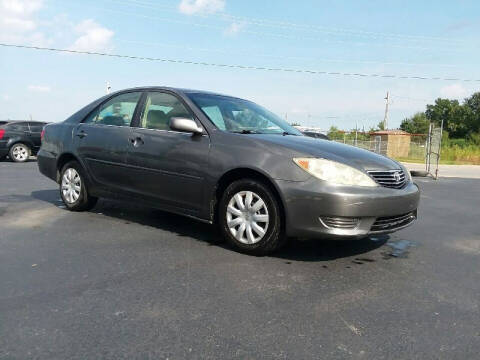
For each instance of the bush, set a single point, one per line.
(461, 154)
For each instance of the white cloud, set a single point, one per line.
(38, 88)
(18, 22)
(234, 29)
(6, 97)
(454, 91)
(190, 7)
(93, 37)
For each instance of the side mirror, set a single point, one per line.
(185, 125)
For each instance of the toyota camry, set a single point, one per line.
(225, 161)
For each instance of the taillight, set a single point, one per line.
(42, 134)
(2, 132)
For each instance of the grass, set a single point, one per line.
(452, 155)
(467, 154)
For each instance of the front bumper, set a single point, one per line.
(315, 208)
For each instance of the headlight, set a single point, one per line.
(334, 172)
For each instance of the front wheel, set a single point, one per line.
(19, 152)
(249, 217)
(73, 188)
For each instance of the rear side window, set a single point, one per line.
(118, 111)
(160, 108)
(36, 127)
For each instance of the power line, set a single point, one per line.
(409, 98)
(290, 36)
(237, 66)
(289, 25)
(254, 53)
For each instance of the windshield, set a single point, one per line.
(242, 116)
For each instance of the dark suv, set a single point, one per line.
(20, 139)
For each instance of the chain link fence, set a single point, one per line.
(414, 150)
(434, 145)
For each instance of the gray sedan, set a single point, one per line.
(227, 161)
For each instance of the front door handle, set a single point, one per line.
(137, 141)
(81, 134)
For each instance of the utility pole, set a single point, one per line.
(356, 132)
(385, 119)
(108, 88)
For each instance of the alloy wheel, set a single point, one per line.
(20, 153)
(247, 217)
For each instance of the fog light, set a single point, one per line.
(339, 222)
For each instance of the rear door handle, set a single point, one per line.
(137, 141)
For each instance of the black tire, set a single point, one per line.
(84, 201)
(273, 238)
(19, 152)
(419, 173)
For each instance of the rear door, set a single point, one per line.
(35, 129)
(102, 140)
(169, 166)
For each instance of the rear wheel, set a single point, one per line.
(249, 217)
(19, 152)
(73, 188)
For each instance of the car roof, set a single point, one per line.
(3, 122)
(174, 89)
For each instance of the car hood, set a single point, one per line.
(331, 150)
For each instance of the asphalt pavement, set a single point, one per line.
(123, 281)
(456, 171)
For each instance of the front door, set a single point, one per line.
(102, 141)
(169, 166)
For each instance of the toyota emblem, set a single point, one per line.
(396, 175)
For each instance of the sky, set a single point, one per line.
(439, 39)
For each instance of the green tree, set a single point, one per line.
(473, 105)
(334, 133)
(381, 126)
(417, 124)
(455, 116)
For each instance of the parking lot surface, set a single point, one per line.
(123, 281)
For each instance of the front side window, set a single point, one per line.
(117, 111)
(160, 108)
(237, 115)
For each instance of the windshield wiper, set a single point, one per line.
(288, 133)
(245, 131)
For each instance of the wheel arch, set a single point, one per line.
(19, 140)
(62, 160)
(244, 173)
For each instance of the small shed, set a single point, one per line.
(393, 143)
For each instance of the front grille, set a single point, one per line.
(393, 222)
(395, 179)
(339, 222)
